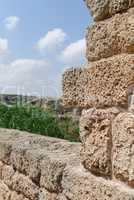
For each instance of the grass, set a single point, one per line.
(34, 120)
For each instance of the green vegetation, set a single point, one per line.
(34, 120)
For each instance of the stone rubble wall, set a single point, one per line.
(104, 88)
(41, 168)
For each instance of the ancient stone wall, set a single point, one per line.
(41, 168)
(102, 166)
(105, 91)
(31, 166)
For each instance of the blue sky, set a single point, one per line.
(38, 40)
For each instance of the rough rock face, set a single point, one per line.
(102, 9)
(109, 81)
(106, 86)
(74, 82)
(106, 83)
(95, 133)
(79, 184)
(111, 37)
(60, 173)
(33, 167)
(123, 148)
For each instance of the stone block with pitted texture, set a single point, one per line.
(123, 148)
(111, 37)
(103, 9)
(104, 88)
(74, 83)
(105, 83)
(96, 138)
(59, 176)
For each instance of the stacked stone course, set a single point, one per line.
(41, 168)
(105, 91)
(101, 167)
(31, 167)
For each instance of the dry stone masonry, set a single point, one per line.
(41, 168)
(101, 167)
(105, 91)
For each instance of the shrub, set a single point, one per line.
(34, 120)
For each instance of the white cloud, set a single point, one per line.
(25, 70)
(11, 22)
(74, 53)
(3, 46)
(28, 76)
(52, 40)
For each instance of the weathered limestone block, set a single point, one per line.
(54, 163)
(27, 161)
(4, 191)
(51, 174)
(61, 197)
(34, 162)
(79, 184)
(46, 195)
(7, 175)
(16, 196)
(8, 140)
(102, 9)
(25, 186)
(123, 148)
(107, 83)
(111, 37)
(1, 167)
(5, 150)
(74, 81)
(95, 133)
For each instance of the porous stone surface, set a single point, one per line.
(107, 83)
(64, 178)
(102, 9)
(123, 147)
(79, 184)
(73, 84)
(31, 166)
(95, 134)
(111, 37)
(45, 194)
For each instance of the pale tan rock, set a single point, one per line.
(74, 81)
(26, 151)
(111, 37)
(4, 191)
(123, 148)
(51, 174)
(15, 196)
(95, 133)
(79, 184)
(25, 186)
(1, 167)
(54, 163)
(27, 161)
(102, 9)
(33, 160)
(61, 197)
(131, 101)
(107, 83)
(7, 175)
(46, 195)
